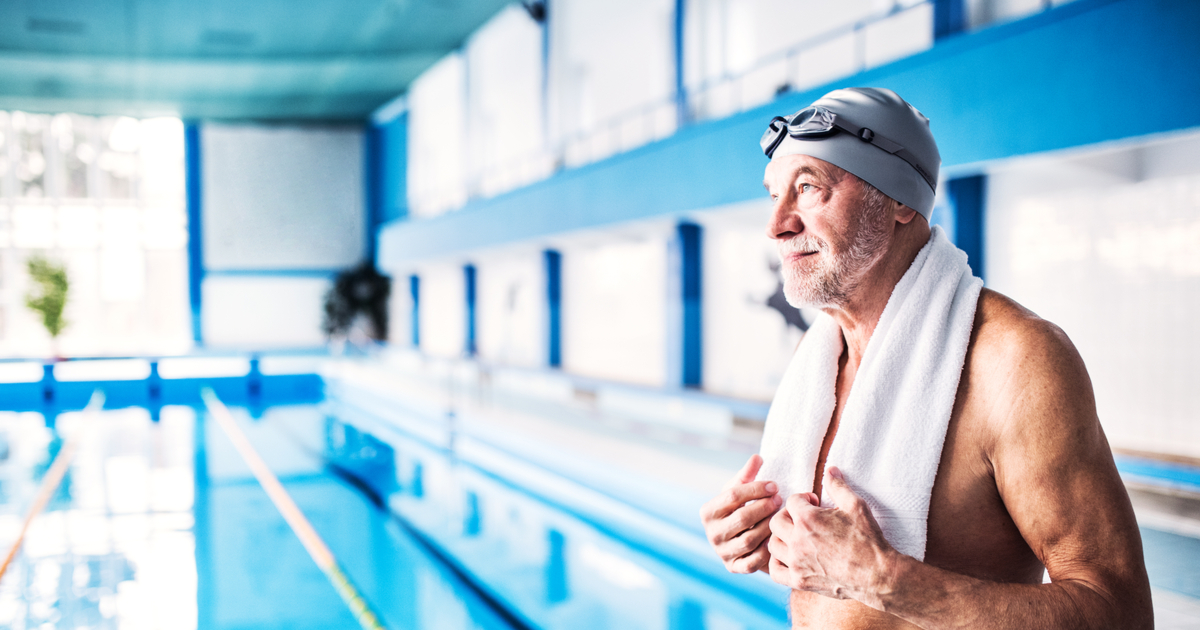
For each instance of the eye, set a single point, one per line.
(805, 187)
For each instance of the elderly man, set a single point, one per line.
(933, 449)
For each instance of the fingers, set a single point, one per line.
(839, 490)
(751, 562)
(752, 544)
(744, 518)
(735, 497)
(749, 471)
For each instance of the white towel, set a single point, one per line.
(890, 438)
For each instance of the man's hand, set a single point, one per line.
(737, 520)
(836, 552)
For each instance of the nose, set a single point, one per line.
(785, 221)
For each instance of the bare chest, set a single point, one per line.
(969, 530)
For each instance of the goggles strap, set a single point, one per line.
(896, 149)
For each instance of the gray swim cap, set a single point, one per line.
(870, 132)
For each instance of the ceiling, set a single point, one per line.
(318, 60)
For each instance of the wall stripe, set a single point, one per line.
(681, 104)
(195, 247)
(949, 18)
(469, 346)
(414, 291)
(553, 266)
(690, 238)
(967, 197)
(373, 178)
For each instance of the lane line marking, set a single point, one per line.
(313, 544)
(52, 479)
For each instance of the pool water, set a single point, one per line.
(160, 524)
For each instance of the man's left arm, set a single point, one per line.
(1055, 473)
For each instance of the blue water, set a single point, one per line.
(161, 524)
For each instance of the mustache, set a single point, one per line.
(801, 245)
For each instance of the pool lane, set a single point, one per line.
(259, 575)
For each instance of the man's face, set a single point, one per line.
(829, 232)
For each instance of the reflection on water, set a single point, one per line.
(557, 553)
(162, 526)
(115, 547)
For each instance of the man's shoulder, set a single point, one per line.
(1008, 335)
(1019, 359)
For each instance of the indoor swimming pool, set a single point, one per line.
(160, 523)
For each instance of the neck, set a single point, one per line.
(859, 316)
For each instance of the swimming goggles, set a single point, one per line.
(816, 122)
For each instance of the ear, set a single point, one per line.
(903, 213)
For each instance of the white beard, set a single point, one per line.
(836, 276)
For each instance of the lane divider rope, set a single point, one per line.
(52, 479)
(313, 544)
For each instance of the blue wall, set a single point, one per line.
(1088, 72)
(386, 171)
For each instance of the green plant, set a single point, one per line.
(49, 295)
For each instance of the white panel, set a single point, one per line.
(899, 36)
(1113, 258)
(747, 342)
(511, 303)
(437, 162)
(263, 312)
(827, 61)
(282, 197)
(614, 311)
(609, 59)
(506, 137)
(443, 311)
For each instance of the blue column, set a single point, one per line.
(469, 282)
(372, 186)
(414, 290)
(690, 237)
(195, 250)
(949, 17)
(553, 264)
(968, 198)
(385, 174)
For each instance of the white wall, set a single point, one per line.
(1107, 245)
(511, 308)
(275, 200)
(262, 312)
(610, 60)
(736, 53)
(443, 310)
(282, 197)
(506, 143)
(615, 309)
(437, 138)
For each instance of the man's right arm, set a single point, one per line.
(736, 521)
